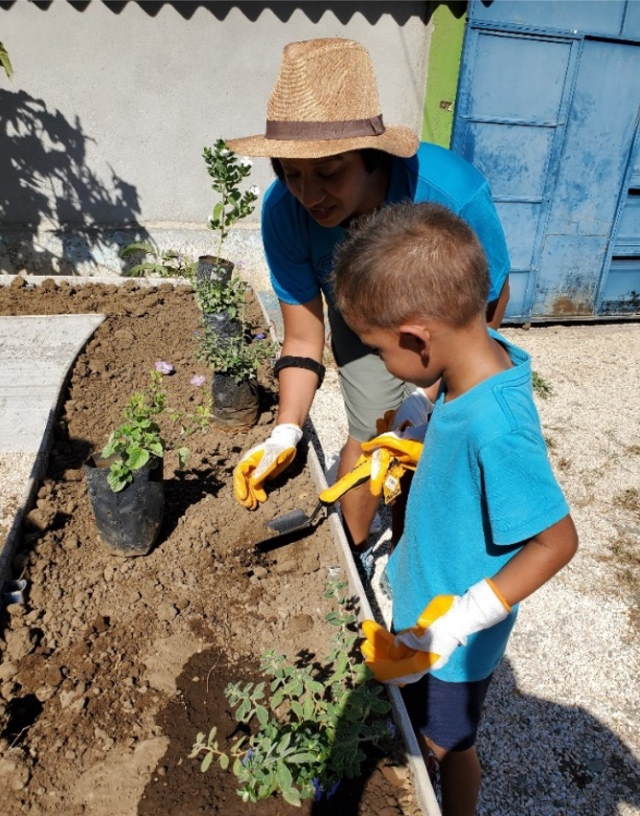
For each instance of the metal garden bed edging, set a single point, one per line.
(422, 784)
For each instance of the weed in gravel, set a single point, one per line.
(625, 558)
(633, 450)
(628, 499)
(563, 463)
(312, 722)
(540, 386)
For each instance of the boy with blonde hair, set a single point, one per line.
(486, 523)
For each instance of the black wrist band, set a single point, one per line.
(300, 362)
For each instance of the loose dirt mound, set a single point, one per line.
(113, 665)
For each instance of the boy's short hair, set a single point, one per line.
(410, 260)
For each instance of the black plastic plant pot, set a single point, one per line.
(128, 521)
(225, 327)
(214, 269)
(234, 404)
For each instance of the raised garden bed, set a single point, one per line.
(114, 664)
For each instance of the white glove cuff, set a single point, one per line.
(479, 608)
(415, 410)
(288, 435)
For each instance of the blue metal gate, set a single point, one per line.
(549, 109)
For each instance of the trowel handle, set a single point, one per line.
(359, 474)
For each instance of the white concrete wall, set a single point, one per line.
(106, 115)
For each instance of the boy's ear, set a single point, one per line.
(415, 337)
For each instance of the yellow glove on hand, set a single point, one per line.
(357, 475)
(445, 624)
(264, 461)
(390, 660)
(391, 455)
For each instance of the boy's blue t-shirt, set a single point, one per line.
(299, 251)
(483, 485)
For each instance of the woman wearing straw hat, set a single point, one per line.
(336, 160)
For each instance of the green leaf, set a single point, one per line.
(137, 458)
(301, 757)
(292, 796)
(262, 714)
(297, 709)
(223, 759)
(307, 709)
(5, 61)
(206, 762)
(277, 698)
(183, 456)
(243, 711)
(157, 450)
(116, 482)
(283, 775)
(137, 246)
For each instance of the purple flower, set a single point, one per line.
(321, 792)
(247, 757)
(260, 336)
(163, 367)
(198, 379)
(333, 789)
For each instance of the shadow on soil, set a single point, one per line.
(178, 788)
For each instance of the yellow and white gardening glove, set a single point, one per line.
(412, 417)
(391, 456)
(358, 474)
(264, 461)
(389, 659)
(449, 619)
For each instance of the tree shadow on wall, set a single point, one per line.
(47, 184)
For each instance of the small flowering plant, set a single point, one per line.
(311, 724)
(227, 172)
(233, 355)
(219, 296)
(138, 441)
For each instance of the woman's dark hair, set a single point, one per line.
(372, 159)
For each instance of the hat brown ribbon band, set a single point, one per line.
(302, 131)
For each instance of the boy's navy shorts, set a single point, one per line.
(447, 713)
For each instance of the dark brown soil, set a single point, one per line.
(114, 664)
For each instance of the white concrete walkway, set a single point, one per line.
(36, 353)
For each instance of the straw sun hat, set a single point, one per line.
(325, 101)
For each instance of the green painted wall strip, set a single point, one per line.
(442, 75)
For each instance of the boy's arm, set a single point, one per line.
(448, 620)
(538, 561)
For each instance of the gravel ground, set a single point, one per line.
(560, 734)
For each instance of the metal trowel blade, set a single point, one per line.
(289, 522)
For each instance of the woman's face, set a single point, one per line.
(334, 188)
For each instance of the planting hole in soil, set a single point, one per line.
(113, 665)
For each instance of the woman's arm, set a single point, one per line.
(538, 561)
(303, 337)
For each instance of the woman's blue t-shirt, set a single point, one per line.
(299, 251)
(483, 486)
